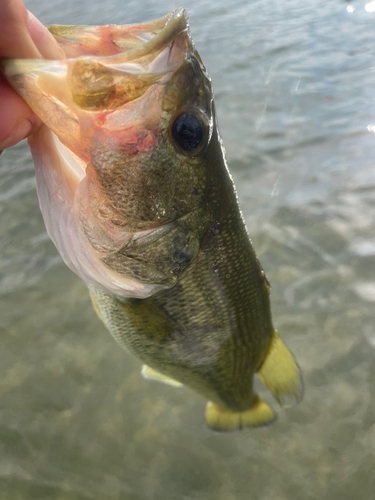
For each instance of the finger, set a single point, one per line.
(17, 120)
(44, 41)
(21, 36)
(15, 39)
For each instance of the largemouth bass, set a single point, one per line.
(137, 197)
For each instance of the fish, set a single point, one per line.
(136, 195)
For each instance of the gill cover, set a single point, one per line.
(106, 159)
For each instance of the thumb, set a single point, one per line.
(21, 36)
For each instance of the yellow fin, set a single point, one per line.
(281, 374)
(96, 307)
(150, 374)
(221, 419)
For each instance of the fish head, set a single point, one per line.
(121, 163)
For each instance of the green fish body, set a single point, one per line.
(136, 195)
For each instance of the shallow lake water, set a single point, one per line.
(294, 87)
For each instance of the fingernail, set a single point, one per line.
(21, 132)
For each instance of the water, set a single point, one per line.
(294, 84)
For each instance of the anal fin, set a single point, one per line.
(151, 374)
(281, 374)
(222, 419)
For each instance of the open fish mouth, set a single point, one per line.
(92, 80)
(106, 110)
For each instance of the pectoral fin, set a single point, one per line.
(161, 255)
(151, 374)
(280, 373)
(221, 419)
(96, 307)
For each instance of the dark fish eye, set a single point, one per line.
(187, 131)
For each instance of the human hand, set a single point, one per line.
(21, 36)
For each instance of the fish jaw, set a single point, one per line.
(109, 179)
(112, 39)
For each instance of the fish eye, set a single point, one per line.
(187, 131)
